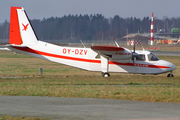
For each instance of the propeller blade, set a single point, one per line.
(133, 52)
(134, 47)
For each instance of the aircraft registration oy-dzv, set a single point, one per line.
(22, 39)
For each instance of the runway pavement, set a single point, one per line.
(58, 108)
(166, 53)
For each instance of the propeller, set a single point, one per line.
(133, 52)
(134, 48)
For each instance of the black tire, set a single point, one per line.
(170, 75)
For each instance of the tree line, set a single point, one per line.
(92, 27)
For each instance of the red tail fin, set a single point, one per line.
(14, 34)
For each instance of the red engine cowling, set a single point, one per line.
(126, 54)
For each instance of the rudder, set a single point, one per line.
(14, 34)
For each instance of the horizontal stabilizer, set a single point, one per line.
(4, 48)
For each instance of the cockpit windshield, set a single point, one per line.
(152, 57)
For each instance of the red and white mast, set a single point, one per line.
(152, 26)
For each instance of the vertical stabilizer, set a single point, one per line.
(21, 31)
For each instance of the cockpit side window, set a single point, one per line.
(140, 57)
(152, 57)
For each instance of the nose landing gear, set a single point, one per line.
(170, 74)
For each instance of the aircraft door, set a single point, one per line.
(139, 62)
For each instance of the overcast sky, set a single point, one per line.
(39, 9)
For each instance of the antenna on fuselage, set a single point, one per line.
(143, 48)
(83, 44)
(116, 43)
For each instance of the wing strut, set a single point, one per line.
(104, 65)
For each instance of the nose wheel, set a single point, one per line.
(170, 74)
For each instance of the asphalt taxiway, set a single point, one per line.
(166, 53)
(58, 108)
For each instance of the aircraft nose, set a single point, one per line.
(173, 67)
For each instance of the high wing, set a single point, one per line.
(116, 53)
(107, 48)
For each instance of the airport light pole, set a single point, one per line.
(152, 27)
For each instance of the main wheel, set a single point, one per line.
(106, 74)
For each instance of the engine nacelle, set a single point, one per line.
(122, 55)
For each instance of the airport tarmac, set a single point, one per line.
(166, 53)
(57, 108)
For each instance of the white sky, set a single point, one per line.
(39, 9)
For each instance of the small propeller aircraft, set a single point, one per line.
(22, 39)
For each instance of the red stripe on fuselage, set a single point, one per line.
(26, 49)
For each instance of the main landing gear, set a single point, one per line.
(105, 74)
(170, 74)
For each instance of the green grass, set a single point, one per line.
(137, 93)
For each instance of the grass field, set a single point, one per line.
(58, 80)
